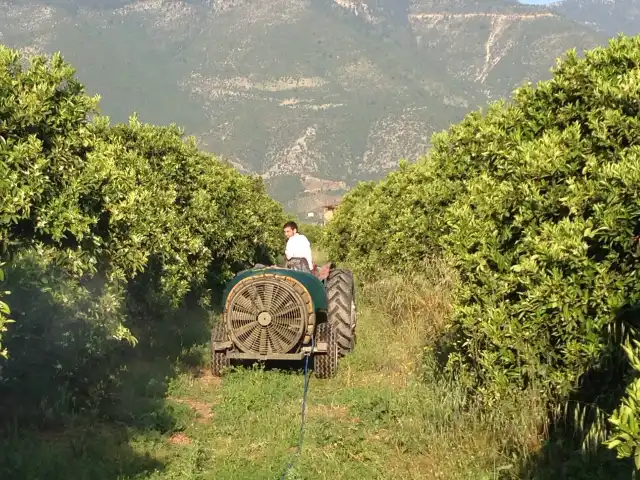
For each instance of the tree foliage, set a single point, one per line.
(536, 203)
(98, 219)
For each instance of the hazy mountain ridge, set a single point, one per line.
(337, 90)
(609, 17)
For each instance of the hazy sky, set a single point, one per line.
(537, 2)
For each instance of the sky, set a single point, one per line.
(536, 2)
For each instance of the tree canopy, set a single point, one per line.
(536, 203)
(98, 220)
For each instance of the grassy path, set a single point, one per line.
(376, 420)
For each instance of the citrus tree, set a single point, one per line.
(543, 232)
(536, 203)
(103, 226)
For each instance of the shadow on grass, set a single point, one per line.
(73, 405)
(561, 457)
(602, 389)
(82, 450)
(286, 367)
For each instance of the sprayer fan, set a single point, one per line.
(266, 315)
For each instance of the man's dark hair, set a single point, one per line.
(291, 225)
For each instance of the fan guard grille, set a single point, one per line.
(267, 316)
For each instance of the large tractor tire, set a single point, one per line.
(341, 293)
(325, 365)
(219, 360)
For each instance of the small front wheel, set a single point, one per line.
(325, 365)
(219, 359)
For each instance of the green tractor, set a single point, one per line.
(279, 313)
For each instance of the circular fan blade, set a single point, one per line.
(267, 315)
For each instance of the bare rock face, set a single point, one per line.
(28, 27)
(394, 137)
(312, 95)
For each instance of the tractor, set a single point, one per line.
(284, 314)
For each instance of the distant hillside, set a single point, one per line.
(608, 17)
(303, 92)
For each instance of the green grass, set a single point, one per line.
(375, 420)
(385, 416)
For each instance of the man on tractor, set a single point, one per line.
(298, 250)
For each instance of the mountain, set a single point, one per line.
(311, 94)
(608, 17)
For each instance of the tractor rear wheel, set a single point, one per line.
(219, 359)
(325, 365)
(342, 308)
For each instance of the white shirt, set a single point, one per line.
(299, 246)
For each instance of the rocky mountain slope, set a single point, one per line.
(311, 94)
